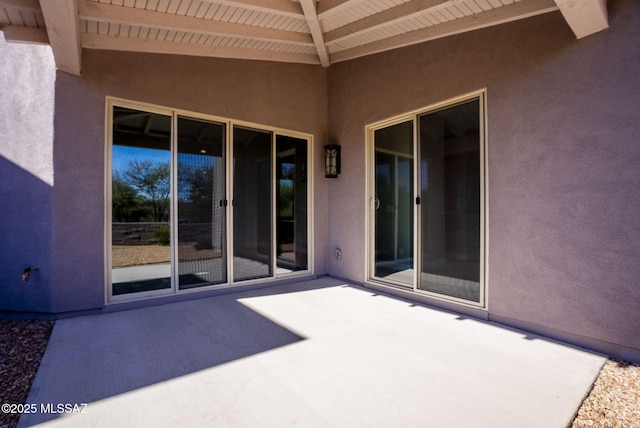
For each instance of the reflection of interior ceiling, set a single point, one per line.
(456, 126)
(141, 123)
(150, 130)
(200, 137)
(300, 31)
(141, 129)
(396, 139)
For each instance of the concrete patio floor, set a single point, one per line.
(320, 353)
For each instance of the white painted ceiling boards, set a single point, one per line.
(300, 31)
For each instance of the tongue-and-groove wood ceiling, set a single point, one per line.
(301, 31)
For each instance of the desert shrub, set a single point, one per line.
(162, 235)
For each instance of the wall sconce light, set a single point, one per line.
(331, 161)
(26, 275)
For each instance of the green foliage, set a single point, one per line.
(142, 190)
(125, 201)
(285, 203)
(163, 235)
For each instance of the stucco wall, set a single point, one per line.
(27, 78)
(564, 162)
(280, 95)
(564, 165)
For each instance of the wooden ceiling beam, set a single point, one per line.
(326, 7)
(100, 12)
(388, 17)
(277, 7)
(99, 41)
(512, 12)
(61, 19)
(310, 13)
(585, 17)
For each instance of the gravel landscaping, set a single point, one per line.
(614, 401)
(22, 345)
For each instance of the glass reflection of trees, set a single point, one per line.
(141, 192)
(195, 183)
(285, 192)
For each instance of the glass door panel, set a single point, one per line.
(450, 201)
(393, 203)
(140, 210)
(201, 203)
(252, 218)
(291, 204)
(170, 179)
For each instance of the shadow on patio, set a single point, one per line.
(315, 353)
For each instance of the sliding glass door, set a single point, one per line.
(450, 190)
(201, 207)
(291, 204)
(442, 221)
(199, 202)
(140, 196)
(393, 203)
(252, 204)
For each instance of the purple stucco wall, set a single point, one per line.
(563, 161)
(287, 96)
(563, 165)
(27, 78)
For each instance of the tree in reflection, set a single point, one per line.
(196, 184)
(127, 205)
(142, 189)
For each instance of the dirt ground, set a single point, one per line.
(135, 255)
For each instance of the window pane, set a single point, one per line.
(450, 208)
(394, 203)
(201, 203)
(141, 238)
(291, 208)
(252, 235)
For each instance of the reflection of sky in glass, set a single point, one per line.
(424, 175)
(204, 164)
(288, 170)
(123, 155)
(383, 171)
(405, 174)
